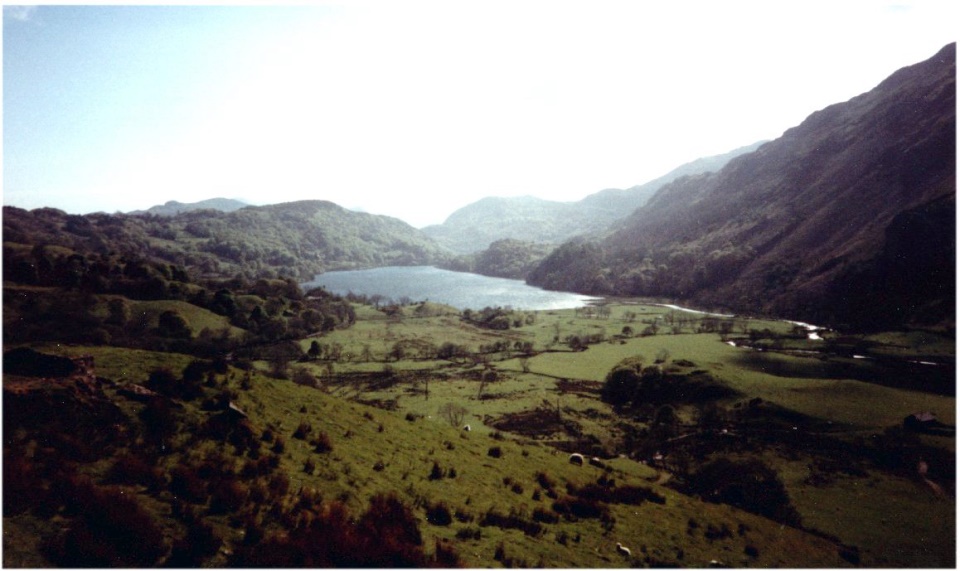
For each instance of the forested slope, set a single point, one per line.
(296, 239)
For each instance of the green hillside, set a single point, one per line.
(294, 240)
(248, 461)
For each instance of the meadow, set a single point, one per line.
(381, 407)
(870, 510)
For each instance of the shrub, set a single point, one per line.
(228, 497)
(544, 516)
(469, 533)
(131, 469)
(545, 481)
(187, 485)
(111, 529)
(199, 543)
(436, 473)
(495, 452)
(385, 536)
(303, 429)
(322, 443)
(439, 514)
(573, 508)
(749, 485)
(513, 520)
(713, 532)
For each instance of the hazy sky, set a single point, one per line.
(414, 108)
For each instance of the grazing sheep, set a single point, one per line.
(625, 551)
(576, 458)
(466, 427)
(594, 461)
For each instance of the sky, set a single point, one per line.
(415, 108)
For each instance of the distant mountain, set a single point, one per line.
(294, 239)
(848, 218)
(530, 219)
(173, 207)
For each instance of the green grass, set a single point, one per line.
(197, 318)
(854, 407)
(408, 450)
(878, 513)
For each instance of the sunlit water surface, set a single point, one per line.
(459, 289)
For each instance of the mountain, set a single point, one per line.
(173, 207)
(848, 218)
(295, 239)
(527, 218)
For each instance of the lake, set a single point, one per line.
(459, 289)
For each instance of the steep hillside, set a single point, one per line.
(847, 218)
(527, 218)
(296, 239)
(173, 207)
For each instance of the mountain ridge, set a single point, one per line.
(475, 226)
(172, 207)
(786, 229)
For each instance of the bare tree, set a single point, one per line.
(454, 413)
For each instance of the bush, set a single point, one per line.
(322, 443)
(544, 516)
(187, 485)
(513, 520)
(439, 514)
(747, 484)
(385, 536)
(469, 533)
(573, 508)
(545, 481)
(495, 452)
(199, 543)
(131, 469)
(111, 529)
(228, 497)
(303, 429)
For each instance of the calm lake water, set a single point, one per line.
(459, 289)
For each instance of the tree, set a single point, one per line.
(172, 324)
(119, 311)
(622, 382)
(747, 484)
(454, 413)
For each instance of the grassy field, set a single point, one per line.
(394, 423)
(851, 408)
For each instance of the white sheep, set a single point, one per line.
(594, 461)
(576, 458)
(625, 551)
(466, 427)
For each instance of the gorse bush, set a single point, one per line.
(439, 514)
(385, 536)
(110, 528)
(513, 520)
